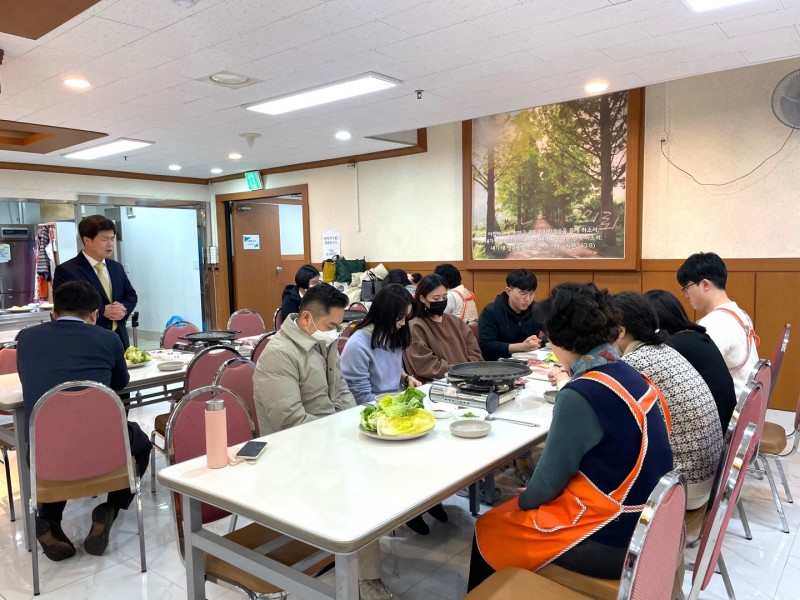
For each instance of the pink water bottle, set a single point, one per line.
(216, 434)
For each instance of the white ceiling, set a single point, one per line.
(472, 58)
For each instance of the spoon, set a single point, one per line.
(494, 418)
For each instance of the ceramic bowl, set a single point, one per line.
(470, 428)
(550, 396)
(479, 414)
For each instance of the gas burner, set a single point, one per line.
(482, 386)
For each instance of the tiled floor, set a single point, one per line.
(432, 567)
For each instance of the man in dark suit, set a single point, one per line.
(69, 349)
(107, 276)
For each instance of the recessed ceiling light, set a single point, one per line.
(706, 5)
(357, 86)
(234, 156)
(229, 79)
(216, 171)
(596, 87)
(174, 167)
(185, 3)
(77, 84)
(122, 145)
(343, 135)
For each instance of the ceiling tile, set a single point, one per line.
(545, 36)
(431, 16)
(355, 40)
(119, 64)
(427, 44)
(9, 112)
(776, 37)
(706, 34)
(48, 62)
(152, 15)
(687, 19)
(97, 37)
(687, 69)
(273, 38)
(770, 53)
(527, 15)
(279, 64)
(763, 22)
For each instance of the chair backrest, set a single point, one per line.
(277, 319)
(202, 369)
(345, 334)
(174, 331)
(719, 513)
(762, 373)
(78, 430)
(359, 306)
(657, 541)
(247, 322)
(8, 360)
(259, 346)
(473, 327)
(236, 374)
(186, 437)
(777, 357)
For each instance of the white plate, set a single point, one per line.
(480, 414)
(136, 365)
(20, 309)
(392, 438)
(170, 365)
(470, 428)
(550, 396)
(440, 410)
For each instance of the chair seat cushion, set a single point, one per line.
(594, 587)
(160, 424)
(55, 491)
(515, 584)
(773, 440)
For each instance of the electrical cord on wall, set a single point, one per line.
(758, 166)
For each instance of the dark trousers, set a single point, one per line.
(119, 499)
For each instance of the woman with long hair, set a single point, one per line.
(696, 346)
(438, 340)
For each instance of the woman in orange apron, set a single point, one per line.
(607, 448)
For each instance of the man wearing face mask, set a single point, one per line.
(298, 378)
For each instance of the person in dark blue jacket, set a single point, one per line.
(507, 325)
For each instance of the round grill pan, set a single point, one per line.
(210, 336)
(487, 371)
(353, 315)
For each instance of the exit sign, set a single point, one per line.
(253, 179)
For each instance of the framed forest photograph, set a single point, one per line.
(557, 185)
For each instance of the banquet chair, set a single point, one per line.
(202, 371)
(649, 570)
(777, 357)
(236, 374)
(186, 440)
(8, 365)
(709, 555)
(247, 322)
(259, 346)
(359, 306)
(277, 319)
(174, 331)
(75, 457)
(345, 334)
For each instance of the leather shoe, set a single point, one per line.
(418, 525)
(97, 540)
(438, 513)
(55, 544)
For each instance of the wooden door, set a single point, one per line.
(256, 263)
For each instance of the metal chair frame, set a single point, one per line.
(173, 325)
(245, 311)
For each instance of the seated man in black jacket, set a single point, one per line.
(506, 325)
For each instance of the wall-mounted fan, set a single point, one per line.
(786, 100)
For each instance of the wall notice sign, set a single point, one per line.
(331, 243)
(251, 242)
(5, 253)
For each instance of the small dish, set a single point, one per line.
(170, 365)
(470, 428)
(440, 410)
(471, 414)
(132, 365)
(550, 396)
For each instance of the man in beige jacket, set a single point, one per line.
(298, 379)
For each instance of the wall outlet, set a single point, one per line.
(664, 137)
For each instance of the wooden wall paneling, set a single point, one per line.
(665, 280)
(741, 288)
(487, 285)
(557, 277)
(616, 282)
(776, 305)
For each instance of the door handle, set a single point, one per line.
(279, 269)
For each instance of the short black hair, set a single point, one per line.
(320, 299)
(90, 226)
(388, 306)
(522, 279)
(578, 317)
(425, 286)
(703, 265)
(79, 298)
(672, 318)
(396, 276)
(415, 277)
(449, 274)
(639, 318)
(304, 275)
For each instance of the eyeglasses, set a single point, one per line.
(685, 288)
(523, 294)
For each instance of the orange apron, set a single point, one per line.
(530, 539)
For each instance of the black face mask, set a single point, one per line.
(436, 308)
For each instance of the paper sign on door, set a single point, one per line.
(251, 242)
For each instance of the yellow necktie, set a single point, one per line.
(106, 287)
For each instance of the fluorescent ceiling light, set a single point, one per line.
(123, 145)
(596, 87)
(77, 84)
(216, 171)
(357, 86)
(234, 156)
(174, 167)
(343, 135)
(706, 5)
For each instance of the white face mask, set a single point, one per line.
(326, 337)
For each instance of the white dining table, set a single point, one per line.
(327, 484)
(141, 379)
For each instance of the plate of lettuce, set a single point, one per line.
(397, 417)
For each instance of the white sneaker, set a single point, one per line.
(374, 589)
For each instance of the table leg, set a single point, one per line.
(22, 469)
(193, 557)
(474, 504)
(347, 576)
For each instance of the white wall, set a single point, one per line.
(410, 206)
(719, 127)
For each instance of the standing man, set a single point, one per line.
(118, 298)
(507, 325)
(69, 349)
(702, 278)
(298, 379)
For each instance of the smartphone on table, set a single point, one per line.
(251, 450)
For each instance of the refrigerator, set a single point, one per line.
(17, 265)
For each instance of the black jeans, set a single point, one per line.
(118, 499)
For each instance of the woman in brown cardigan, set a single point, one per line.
(438, 341)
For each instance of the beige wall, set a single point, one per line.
(719, 127)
